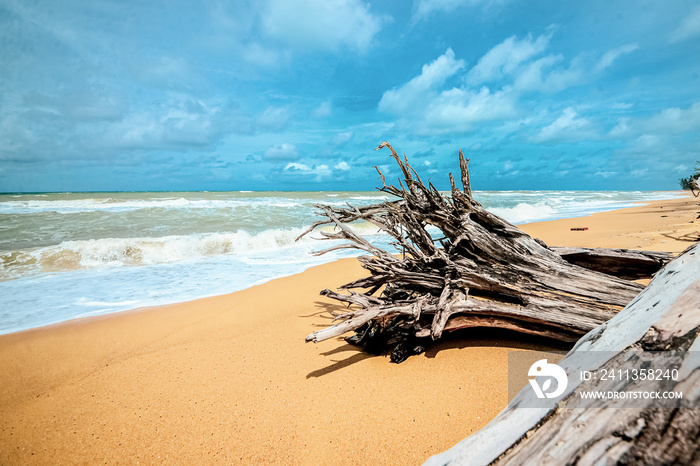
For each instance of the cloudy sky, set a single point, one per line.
(295, 94)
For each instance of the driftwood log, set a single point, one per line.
(662, 322)
(460, 266)
(623, 263)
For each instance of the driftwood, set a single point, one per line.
(662, 322)
(478, 270)
(623, 263)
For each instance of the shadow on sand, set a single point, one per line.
(493, 337)
(466, 338)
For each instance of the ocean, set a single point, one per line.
(71, 255)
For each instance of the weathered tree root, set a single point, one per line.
(480, 272)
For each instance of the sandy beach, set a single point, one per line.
(229, 379)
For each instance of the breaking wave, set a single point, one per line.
(125, 205)
(73, 255)
(523, 212)
(130, 252)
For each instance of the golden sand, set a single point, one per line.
(229, 380)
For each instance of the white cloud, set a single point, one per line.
(456, 109)
(318, 171)
(505, 58)
(568, 127)
(558, 80)
(322, 111)
(611, 55)
(258, 54)
(235, 26)
(321, 171)
(297, 166)
(274, 119)
(268, 33)
(343, 166)
(166, 72)
(423, 8)
(544, 75)
(622, 105)
(336, 142)
(663, 151)
(174, 124)
(621, 129)
(530, 71)
(689, 28)
(461, 109)
(530, 76)
(491, 89)
(649, 141)
(604, 174)
(321, 24)
(675, 120)
(415, 92)
(341, 139)
(281, 152)
(668, 121)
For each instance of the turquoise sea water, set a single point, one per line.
(69, 255)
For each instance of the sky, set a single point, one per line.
(127, 95)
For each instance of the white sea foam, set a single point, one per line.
(370, 198)
(111, 252)
(125, 205)
(90, 303)
(284, 204)
(524, 212)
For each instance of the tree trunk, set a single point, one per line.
(478, 271)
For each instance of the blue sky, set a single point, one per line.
(295, 95)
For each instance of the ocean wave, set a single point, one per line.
(92, 303)
(285, 205)
(110, 252)
(370, 198)
(88, 205)
(361, 228)
(125, 205)
(523, 212)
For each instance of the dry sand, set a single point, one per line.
(657, 226)
(229, 380)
